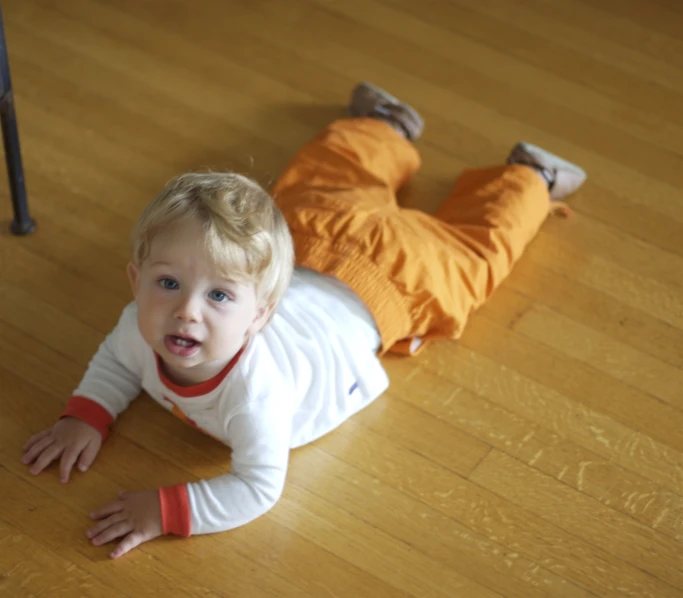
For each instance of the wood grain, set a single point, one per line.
(539, 456)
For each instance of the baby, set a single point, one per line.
(226, 334)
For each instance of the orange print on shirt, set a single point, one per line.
(175, 410)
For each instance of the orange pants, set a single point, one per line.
(419, 275)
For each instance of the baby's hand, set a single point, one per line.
(70, 438)
(135, 517)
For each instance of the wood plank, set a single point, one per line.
(663, 301)
(60, 288)
(538, 446)
(445, 445)
(593, 308)
(70, 250)
(142, 571)
(593, 570)
(30, 359)
(598, 239)
(29, 569)
(475, 63)
(588, 387)
(567, 27)
(550, 408)
(583, 516)
(101, 228)
(62, 332)
(601, 352)
(624, 214)
(333, 528)
(424, 528)
(157, 73)
(638, 18)
(61, 529)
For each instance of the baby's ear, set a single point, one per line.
(133, 277)
(262, 317)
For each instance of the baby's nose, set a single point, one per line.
(188, 310)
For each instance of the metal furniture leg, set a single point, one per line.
(22, 224)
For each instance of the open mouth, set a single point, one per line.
(181, 345)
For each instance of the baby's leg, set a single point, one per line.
(355, 163)
(494, 213)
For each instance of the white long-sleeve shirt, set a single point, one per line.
(310, 369)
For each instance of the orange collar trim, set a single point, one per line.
(197, 390)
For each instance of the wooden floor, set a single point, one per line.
(540, 456)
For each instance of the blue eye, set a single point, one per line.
(169, 284)
(218, 296)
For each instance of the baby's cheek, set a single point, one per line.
(149, 324)
(224, 339)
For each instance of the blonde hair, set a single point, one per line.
(245, 233)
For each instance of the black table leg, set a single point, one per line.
(22, 224)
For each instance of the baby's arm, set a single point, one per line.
(259, 466)
(113, 378)
(260, 453)
(107, 388)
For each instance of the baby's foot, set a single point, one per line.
(563, 177)
(369, 100)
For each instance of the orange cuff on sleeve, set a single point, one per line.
(175, 510)
(90, 412)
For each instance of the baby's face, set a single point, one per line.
(189, 313)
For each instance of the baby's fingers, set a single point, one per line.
(128, 543)
(68, 460)
(37, 449)
(35, 438)
(85, 456)
(51, 453)
(88, 455)
(114, 526)
(107, 510)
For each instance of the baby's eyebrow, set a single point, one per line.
(227, 281)
(228, 278)
(234, 285)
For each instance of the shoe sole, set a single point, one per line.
(552, 160)
(379, 92)
(389, 99)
